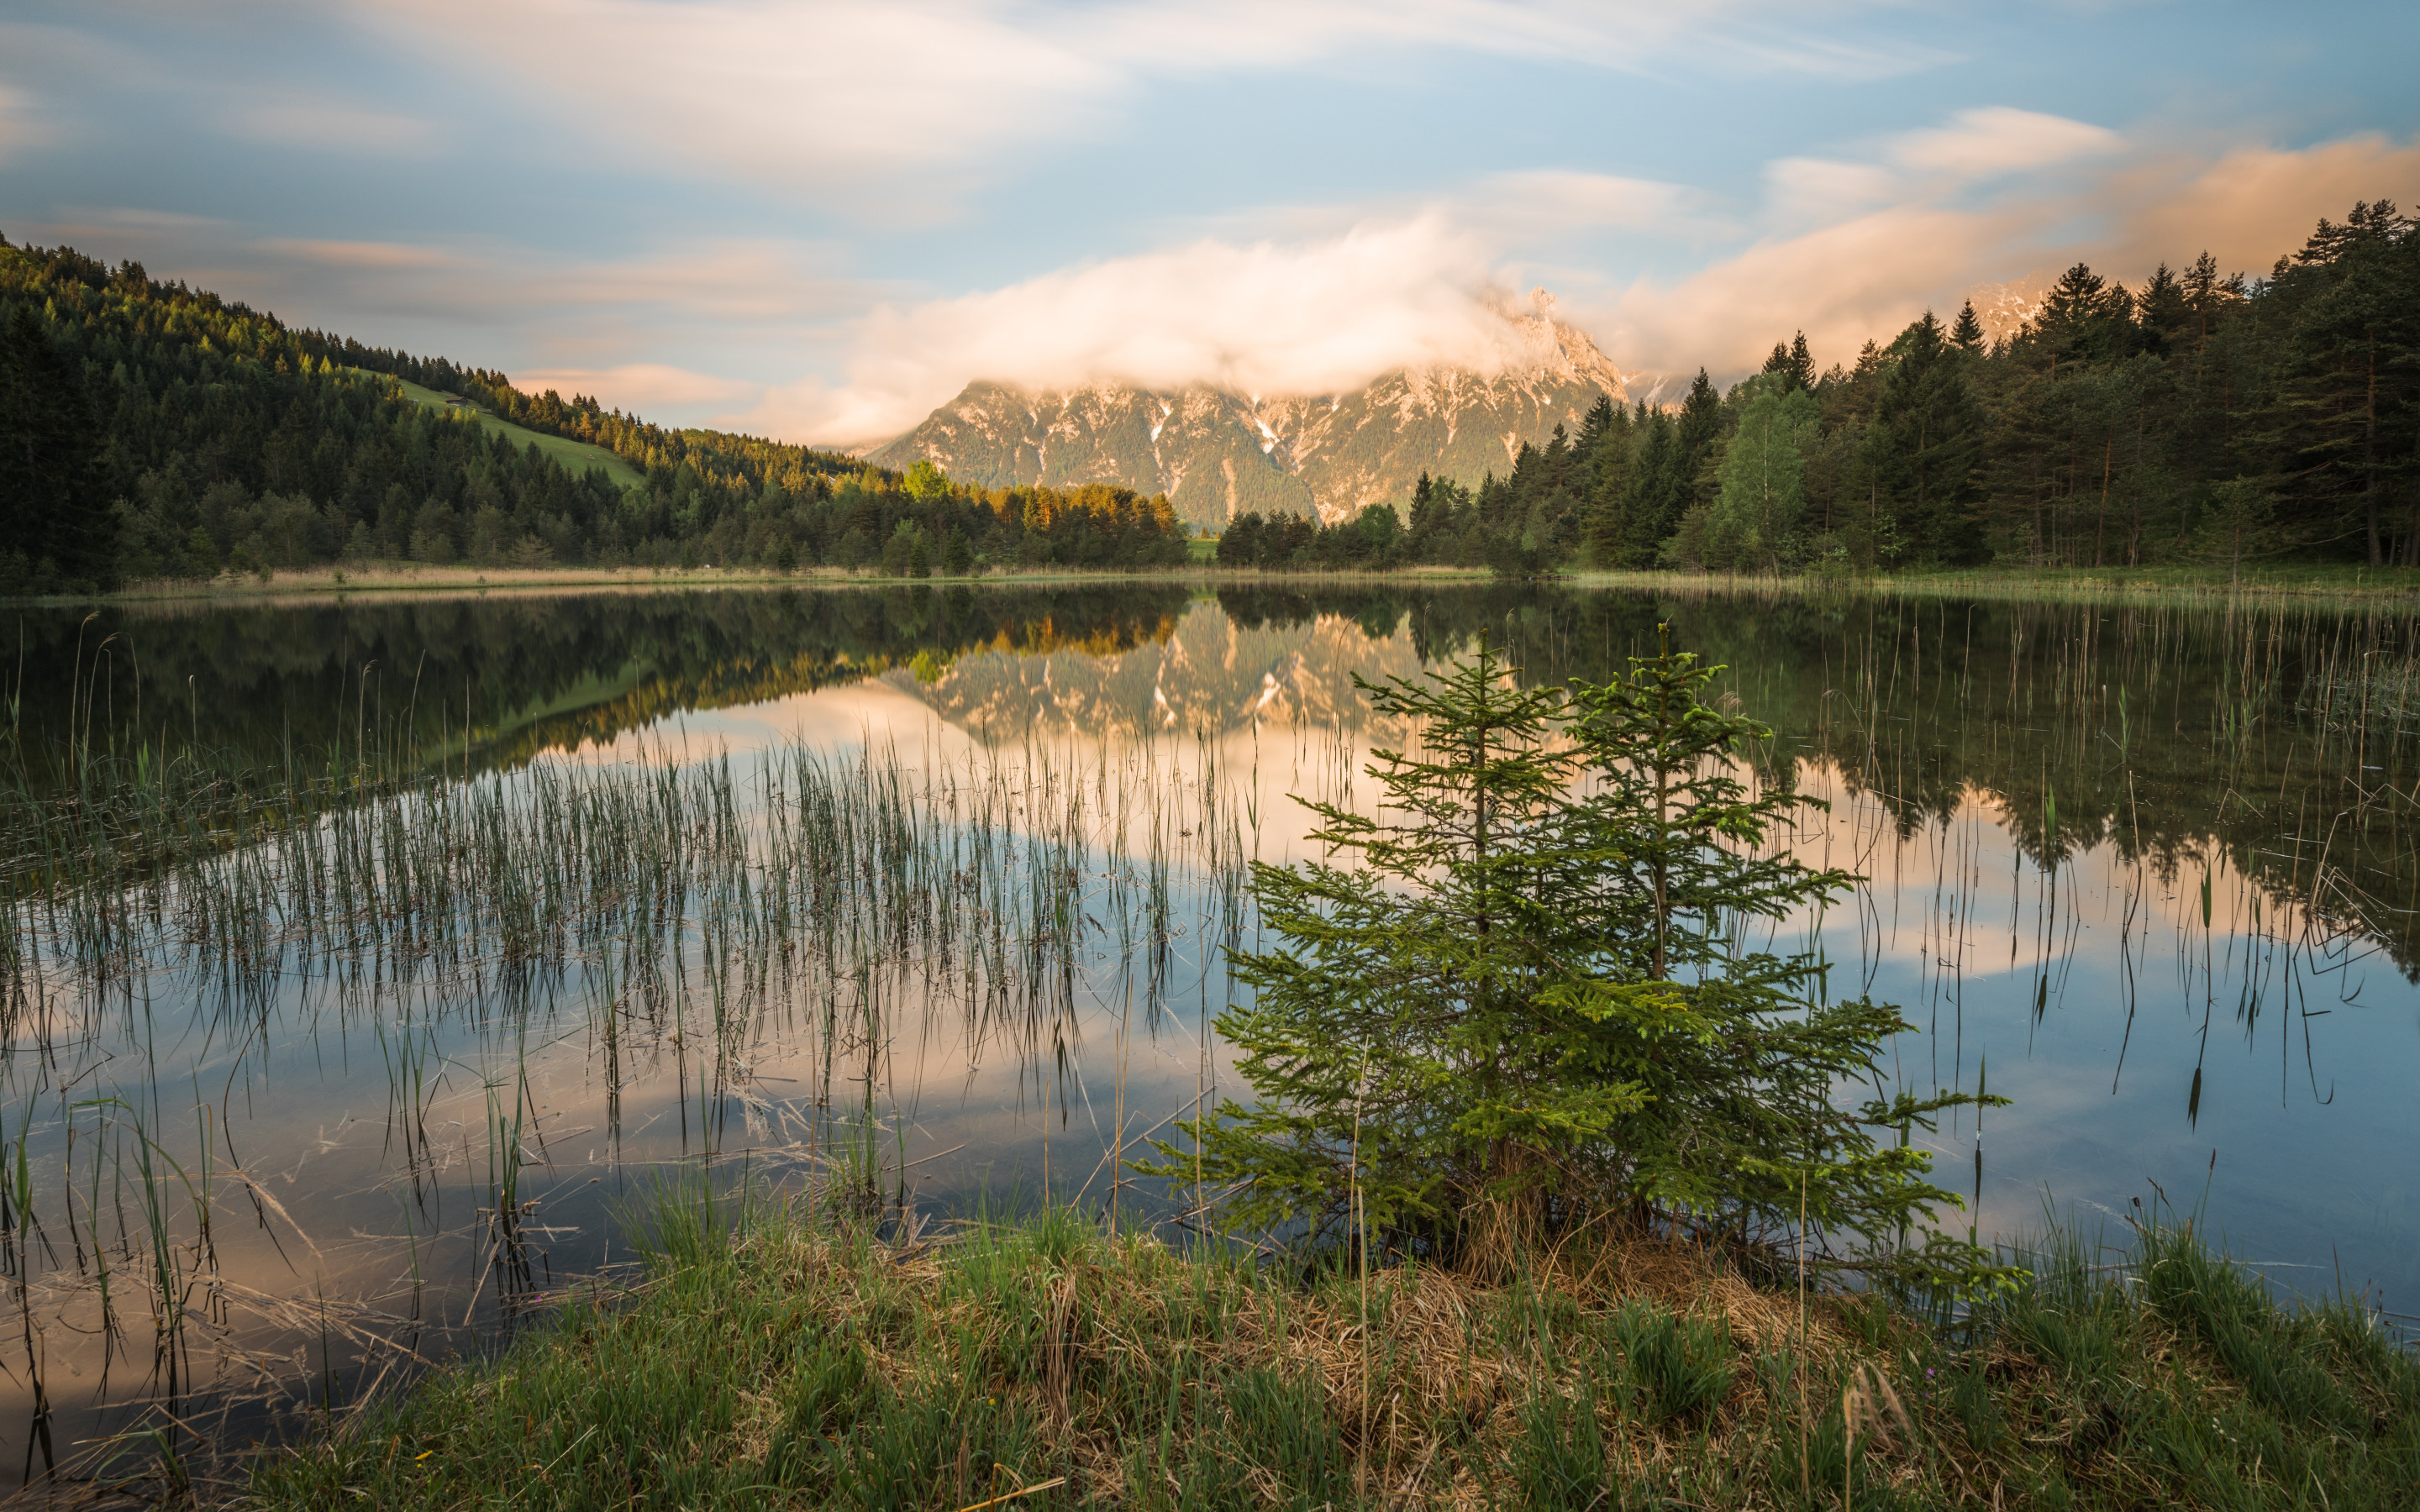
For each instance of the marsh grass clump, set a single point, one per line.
(774, 1356)
(1679, 1366)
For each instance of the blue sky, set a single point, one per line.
(818, 220)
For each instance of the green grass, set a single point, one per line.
(2070, 584)
(1200, 552)
(793, 1363)
(577, 456)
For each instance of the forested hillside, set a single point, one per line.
(149, 431)
(2203, 417)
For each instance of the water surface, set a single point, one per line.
(2148, 871)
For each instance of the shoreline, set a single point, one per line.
(2178, 585)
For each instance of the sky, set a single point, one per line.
(817, 221)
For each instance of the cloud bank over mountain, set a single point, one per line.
(1252, 319)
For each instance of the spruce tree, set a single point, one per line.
(1529, 1000)
(54, 504)
(1599, 419)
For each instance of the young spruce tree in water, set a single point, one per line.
(1531, 1001)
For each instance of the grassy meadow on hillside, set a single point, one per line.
(575, 456)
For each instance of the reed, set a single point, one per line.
(686, 907)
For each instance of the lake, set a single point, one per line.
(365, 961)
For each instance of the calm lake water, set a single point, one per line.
(922, 896)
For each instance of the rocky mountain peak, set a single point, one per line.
(1218, 454)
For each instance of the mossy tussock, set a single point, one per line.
(786, 1361)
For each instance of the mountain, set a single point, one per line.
(1217, 454)
(2003, 309)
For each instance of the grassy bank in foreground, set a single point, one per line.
(789, 1364)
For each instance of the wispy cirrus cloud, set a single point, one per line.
(1994, 140)
(640, 387)
(21, 127)
(578, 320)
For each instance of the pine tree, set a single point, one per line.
(1792, 362)
(1966, 334)
(1654, 495)
(2161, 312)
(2352, 382)
(1921, 450)
(2086, 317)
(54, 504)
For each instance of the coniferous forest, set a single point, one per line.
(152, 431)
(2204, 417)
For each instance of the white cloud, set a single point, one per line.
(1866, 276)
(1509, 208)
(1872, 268)
(1806, 191)
(900, 102)
(2251, 205)
(21, 127)
(1997, 140)
(638, 388)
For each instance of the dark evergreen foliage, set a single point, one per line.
(55, 529)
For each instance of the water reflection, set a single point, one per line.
(2150, 871)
